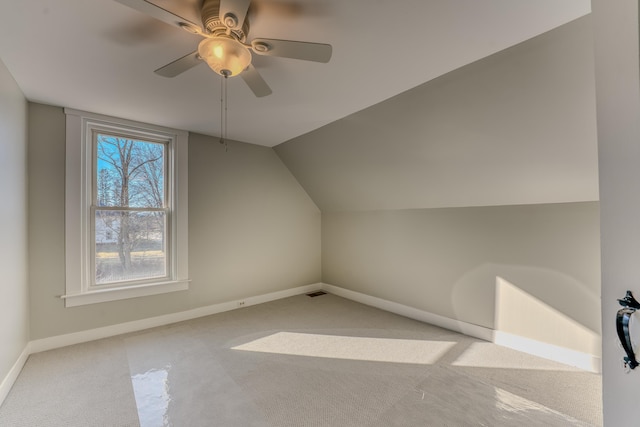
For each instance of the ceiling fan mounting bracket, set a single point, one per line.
(261, 47)
(190, 28)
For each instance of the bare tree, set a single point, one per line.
(133, 177)
(105, 188)
(150, 183)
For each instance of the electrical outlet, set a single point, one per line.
(240, 303)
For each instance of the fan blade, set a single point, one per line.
(256, 83)
(162, 15)
(233, 8)
(317, 52)
(179, 65)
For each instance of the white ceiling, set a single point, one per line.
(99, 56)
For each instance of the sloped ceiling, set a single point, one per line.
(99, 56)
(518, 127)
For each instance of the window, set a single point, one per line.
(126, 209)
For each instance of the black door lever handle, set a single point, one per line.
(630, 305)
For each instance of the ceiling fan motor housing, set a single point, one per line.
(213, 23)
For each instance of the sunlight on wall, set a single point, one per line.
(521, 315)
(353, 348)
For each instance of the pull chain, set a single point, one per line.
(223, 111)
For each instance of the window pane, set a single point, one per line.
(129, 246)
(129, 173)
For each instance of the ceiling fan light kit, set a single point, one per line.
(225, 55)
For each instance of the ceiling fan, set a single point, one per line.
(225, 28)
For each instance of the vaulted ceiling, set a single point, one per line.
(99, 56)
(517, 127)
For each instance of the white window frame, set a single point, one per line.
(80, 127)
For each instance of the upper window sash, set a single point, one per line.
(167, 157)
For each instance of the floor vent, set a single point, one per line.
(316, 294)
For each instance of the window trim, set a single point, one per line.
(78, 200)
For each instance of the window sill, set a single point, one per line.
(114, 294)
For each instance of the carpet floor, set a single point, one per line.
(300, 361)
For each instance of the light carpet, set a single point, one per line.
(300, 361)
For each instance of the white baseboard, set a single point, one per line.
(585, 361)
(413, 313)
(11, 377)
(59, 341)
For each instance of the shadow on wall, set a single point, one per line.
(533, 303)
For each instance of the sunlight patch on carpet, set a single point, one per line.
(423, 352)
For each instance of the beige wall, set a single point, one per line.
(252, 230)
(14, 308)
(453, 262)
(506, 150)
